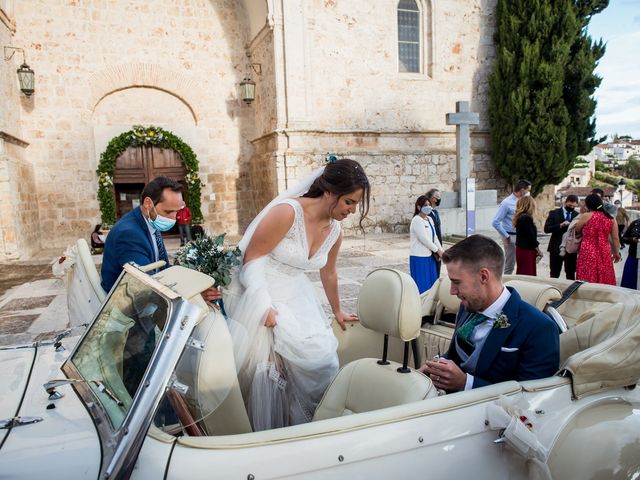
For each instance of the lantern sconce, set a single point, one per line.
(248, 86)
(25, 74)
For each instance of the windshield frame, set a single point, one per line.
(120, 446)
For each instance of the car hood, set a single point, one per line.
(64, 444)
(15, 368)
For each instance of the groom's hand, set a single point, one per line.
(445, 374)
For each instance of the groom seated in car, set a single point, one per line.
(498, 335)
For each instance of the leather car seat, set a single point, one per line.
(389, 303)
(84, 293)
(208, 366)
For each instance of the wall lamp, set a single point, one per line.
(25, 74)
(248, 86)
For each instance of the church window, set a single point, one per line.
(409, 45)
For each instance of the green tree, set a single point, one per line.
(632, 168)
(540, 103)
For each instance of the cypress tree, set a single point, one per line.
(581, 81)
(540, 103)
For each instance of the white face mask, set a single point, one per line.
(426, 210)
(527, 194)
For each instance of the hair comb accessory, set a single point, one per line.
(331, 158)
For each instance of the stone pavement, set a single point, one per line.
(36, 307)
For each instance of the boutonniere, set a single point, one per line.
(502, 321)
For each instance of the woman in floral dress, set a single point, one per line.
(595, 261)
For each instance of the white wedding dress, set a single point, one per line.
(283, 388)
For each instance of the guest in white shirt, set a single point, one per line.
(424, 244)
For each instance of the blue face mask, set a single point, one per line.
(161, 223)
(426, 210)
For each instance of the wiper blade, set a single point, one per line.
(107, 392)
(50, 388)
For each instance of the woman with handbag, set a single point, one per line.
(423, 246)
(595, 261)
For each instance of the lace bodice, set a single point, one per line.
(291, 255)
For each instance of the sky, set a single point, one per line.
(618, 96)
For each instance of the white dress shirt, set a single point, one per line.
(482, 331)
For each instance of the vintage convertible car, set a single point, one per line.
(150, 391)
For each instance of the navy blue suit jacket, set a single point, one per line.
(533, 336)
(436, 221)
(128, 241)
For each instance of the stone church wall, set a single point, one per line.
(346, 96)
(327, 82)
(120, 63)
(19, 222)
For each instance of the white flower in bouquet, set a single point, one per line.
(209, 255)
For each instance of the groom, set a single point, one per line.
(498, 335)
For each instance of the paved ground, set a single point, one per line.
(33, 303)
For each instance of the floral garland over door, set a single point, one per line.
(145, 136)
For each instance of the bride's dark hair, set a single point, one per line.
(342, 177)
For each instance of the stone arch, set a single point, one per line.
(122, 77)
(259, 13)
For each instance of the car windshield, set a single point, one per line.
(116, 352)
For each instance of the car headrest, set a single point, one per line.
(536, 294)
(389, 303)
(450, 302)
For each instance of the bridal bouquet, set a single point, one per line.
(209, 255)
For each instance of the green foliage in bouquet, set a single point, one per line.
(209, 255)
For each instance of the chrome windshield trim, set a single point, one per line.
(120, 446)
(165, 358)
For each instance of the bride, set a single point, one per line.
(290, 353)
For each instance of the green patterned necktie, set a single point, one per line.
(465, 331)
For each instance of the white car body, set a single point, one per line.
(582, 430)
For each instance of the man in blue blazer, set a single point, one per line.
(136, 236)
(498, 335)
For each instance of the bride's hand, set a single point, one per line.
(270, 320)
(342, 318)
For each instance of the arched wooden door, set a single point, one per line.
(139, 165)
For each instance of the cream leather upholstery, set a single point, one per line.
(84, 258)
(208, 366)
(185, 282)
(446, 303)
(389, 303)
(84, 293)
(214, 393)
(436, 339)
(536, 294)
(363, 386)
